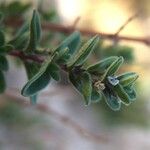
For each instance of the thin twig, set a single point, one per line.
(62, 118)
(76, 22)
(126, 23)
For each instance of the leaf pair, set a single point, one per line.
(67, 47)
(122, 87)
(42, 78)
(49, 68)
(80, 56)
(106, 67)
(100, 67)
(83, 83)
(127, 81)
(118, 89)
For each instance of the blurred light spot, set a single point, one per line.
(69, 9)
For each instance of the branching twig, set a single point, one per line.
(76, 22)
(64, 119)
(126, 23)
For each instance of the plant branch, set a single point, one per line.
(62, 118)
(69, 29)
(24, 56)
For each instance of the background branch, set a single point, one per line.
(69, 29)
(62, 118)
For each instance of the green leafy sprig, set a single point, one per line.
(93, 82)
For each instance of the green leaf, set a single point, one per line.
(127, 79)
(113, 68)
(6, 49)
(24, 29)
(122, 94)
(20, 40)
(2, 83)
(31, 70)
(40, 80)
(80, 57)
(86, 87)
(2, 39)
(3, 63)
(101, 66)
(112, 100)
(35, 32)
(75, 80)
(83, 84)
(95, 96)
(36, 84)
(131, 93)
(20, 43)
(62, 56)
(72, 42)
(53, 70)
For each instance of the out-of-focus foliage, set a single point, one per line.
(105, 50)
(14, 9)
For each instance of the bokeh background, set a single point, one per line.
(26, 128)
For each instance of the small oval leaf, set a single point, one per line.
(127, 79)
(6, 49)
(101, 66)
(112, 100)
(95, 96)
(35, 32)
(53, 70)
(122, 94)
(83, 83)
(80, 56)
(31, 70)
(39, 81)
(36, 84)
(113, 68)
(86, 87)
(131, 93)
(72, 42)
